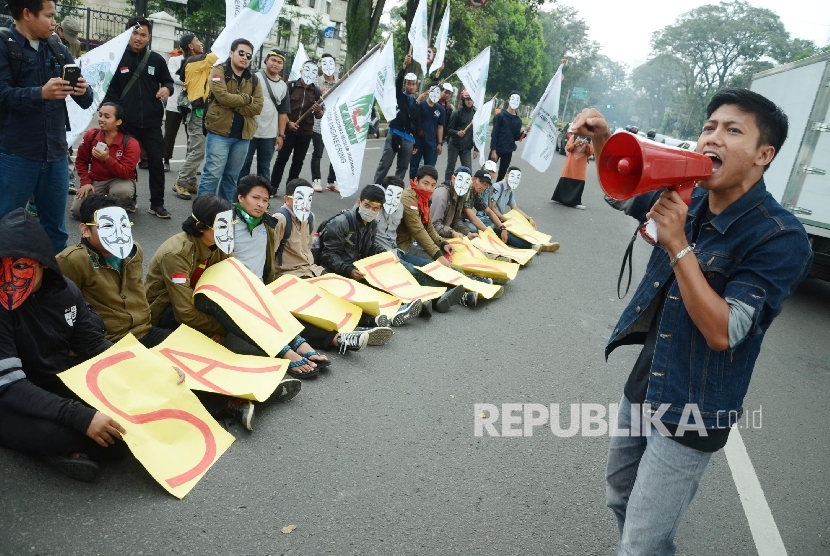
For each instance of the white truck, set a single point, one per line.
(798, 178)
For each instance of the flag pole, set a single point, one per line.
(342, 79)
(471, 122)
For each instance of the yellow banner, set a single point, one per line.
(519, 226)
(212, 368)
(249, 305)
(373, 302)
(489, 242)
(168, 430)
(384, 271)
(315, 305)
(470, 259)
(454, 278)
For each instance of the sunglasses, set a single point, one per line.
(248, 55)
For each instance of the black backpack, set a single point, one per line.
(289, 228)
(321, 230)
(15, 56)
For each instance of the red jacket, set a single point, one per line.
(120, 165)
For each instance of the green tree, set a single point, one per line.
(655, 85)
(517, 56)
(362, 20)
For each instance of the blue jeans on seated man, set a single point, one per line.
(429, 154)
(20, 178)
(410, 262)
(512, 241)
(224, 157)
(264, 151)
(651, 480)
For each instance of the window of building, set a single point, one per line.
(311, 3)
(328, 7)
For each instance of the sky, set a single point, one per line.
(623, 28)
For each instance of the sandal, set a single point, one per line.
(298, 374)
(322, 364)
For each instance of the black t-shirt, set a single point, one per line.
(238, 120)
(637, 384)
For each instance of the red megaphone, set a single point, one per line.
(629, 165)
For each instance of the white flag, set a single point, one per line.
(232, 9)
(97, 66)
(473, 75)
(441, 41)
(300, 58)
(345, 125)
(541, 140)
(418, 36)
(481, 123)
(254, 23)
(385, 92)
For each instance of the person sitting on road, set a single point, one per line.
(351, 236)
(417, 226)
(503, 200)
(39, 415)
(106, 160)
(445, 210)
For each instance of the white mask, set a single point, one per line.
(223, 231)
(302, 202)
(514, 101)
(328, 66)
(462, 183)
(115, 231)
(434, 94)
(393, 198)
(514, 178)
(309, 73)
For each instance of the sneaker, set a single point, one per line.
(193, 188)
(317, 187)
(536, 247)
(73, 190)
(382, 321)
(242, 411)
(161, 212)
(77, 466)
(31, 209)
(378, 336)
(450, 298)
(580, 207)
(406, 312)
(550, 247)
(166, 165)
(480, 279)
(286, 391)
(352, 341)
(131, 207)
(426, 312)
(332, 187)
(181, 191)
(469, 299)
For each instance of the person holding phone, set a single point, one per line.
(106, 160)
(34, 118)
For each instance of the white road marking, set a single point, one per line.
(765, 533)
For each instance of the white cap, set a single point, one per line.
(448, 87)
(410, 77)
(490, 166)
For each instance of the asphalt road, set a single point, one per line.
(380, 455)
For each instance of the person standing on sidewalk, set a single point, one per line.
(141, 84)
(324, 83)
(459, 137)
(194, 72)
(271, 122)
(303, 96)
(401, 137)
(173, 116)
(235, 101)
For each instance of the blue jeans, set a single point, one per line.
(20, 178)
(264, 150)
(223, 161)
(651, 480)
(429, 154)
(410, 262)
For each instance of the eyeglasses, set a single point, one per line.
(248, 55)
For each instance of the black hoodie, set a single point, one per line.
(35, 338)
(141, 107)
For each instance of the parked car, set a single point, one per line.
(562, 139)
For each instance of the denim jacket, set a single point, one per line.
(754, 252)
(31, 127)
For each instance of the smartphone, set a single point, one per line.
(71, 73)
(101, 146)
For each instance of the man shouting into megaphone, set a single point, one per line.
(718, 275)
